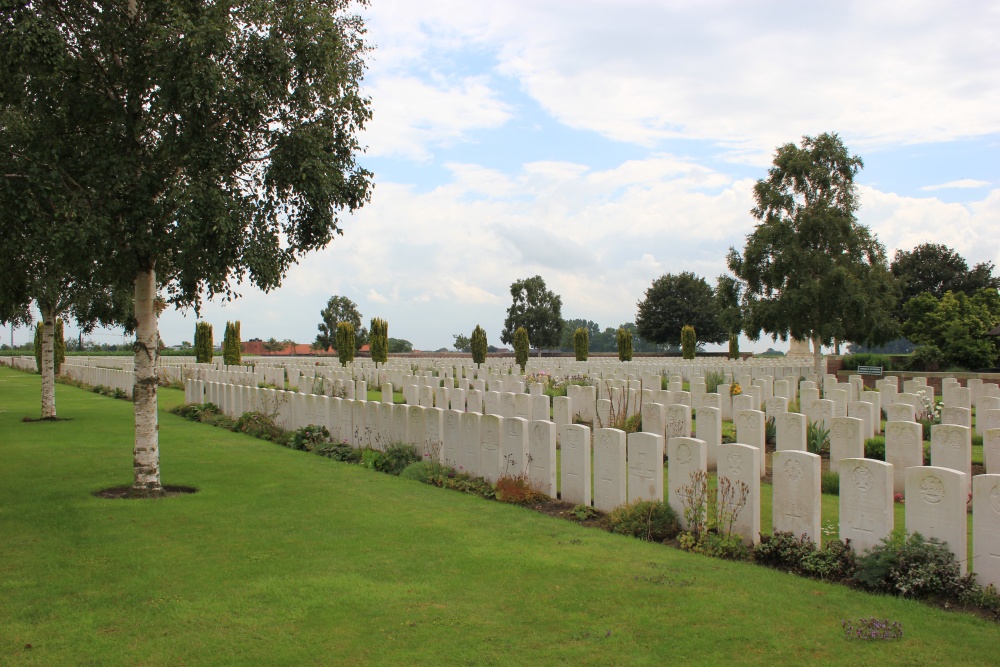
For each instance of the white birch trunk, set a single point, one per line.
(48, 363)
(819, 363)
(147, 448)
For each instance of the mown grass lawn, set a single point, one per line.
(285, 558)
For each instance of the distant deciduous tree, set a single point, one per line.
(340, 309)
(536, 309)
(400, 345)
(956, 324)
(936, 268)
(675, 301)
(462, 343)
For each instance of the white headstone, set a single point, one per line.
(866, 509)
(739, 484)
(956, 415)
(677, 421)
(514, 447)
(951, 447)
(866, 413)
(991, 451)
(900, 412)
(609, 469)
(470, 444)
(986, 529)
(452, 454)
(936, 506)
(708, 427)
(821, 411)
(542, 457)
(685, 456)
(790, 432)
(491, 403)
(796, 500)
(987, 414)
(540, 408)
(575, 483)
(645, 466)
(750, 431)
(846, 440)
(904, 448)
(490, 434)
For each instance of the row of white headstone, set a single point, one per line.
(606, 468)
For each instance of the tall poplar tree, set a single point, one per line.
(202, 144)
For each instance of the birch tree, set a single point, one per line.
(205, 145)
(809, 268)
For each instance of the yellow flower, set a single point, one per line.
(735, 390)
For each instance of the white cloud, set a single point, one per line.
(962, 183)
(902, 223)
(747, 76)
(412, 115)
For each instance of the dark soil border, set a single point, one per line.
(127, 492)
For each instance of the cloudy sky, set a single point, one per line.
(603, 143)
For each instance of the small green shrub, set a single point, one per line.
(309, 438)
(463, 482)
(195, 411)
(911, 567)
(259, 425)
(715, 545)
(829, 482)
(650, 520)
(817, 438)
(712, 381)
(834, 562)
(517, 490)
(423, 471)
(340, 451)
(875, 448)
(852, 361)
(392, 461)
(219, 421)
(782, 550)
(770, 432)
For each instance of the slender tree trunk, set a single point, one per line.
(48, 362)
(147, 449)
(819, 364)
